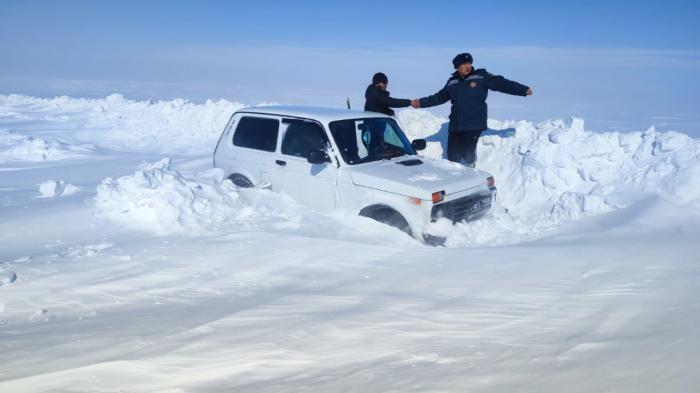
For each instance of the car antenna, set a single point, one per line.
(348, 102)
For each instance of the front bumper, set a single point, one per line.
(466, 208)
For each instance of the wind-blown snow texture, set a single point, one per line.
(128, 264)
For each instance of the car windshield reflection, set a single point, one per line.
(371, 139)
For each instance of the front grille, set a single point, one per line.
(466, 208)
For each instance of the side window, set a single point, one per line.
(302, 137)
(257, 133)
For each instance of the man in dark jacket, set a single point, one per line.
(467, 90)
(377, 99)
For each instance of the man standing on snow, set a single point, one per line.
(467, 90)
(377, 99)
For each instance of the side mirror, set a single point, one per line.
(418, 144)
(318, 156)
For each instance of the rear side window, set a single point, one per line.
(257, 133)
(302, 137)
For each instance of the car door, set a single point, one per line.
(313, 185)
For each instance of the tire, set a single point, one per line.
(240, 181)
(388, 216)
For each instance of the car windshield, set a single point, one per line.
(372, 139)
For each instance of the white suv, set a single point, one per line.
(331, 159)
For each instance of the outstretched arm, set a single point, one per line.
(389, 101)
(499, 83)
(438, 98)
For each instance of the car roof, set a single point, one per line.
(320, 113)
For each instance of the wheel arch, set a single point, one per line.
(244, 174)
(382, 212)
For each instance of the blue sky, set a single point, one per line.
(623, 65)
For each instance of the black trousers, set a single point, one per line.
(461, 146)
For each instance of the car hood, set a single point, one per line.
(420, 180)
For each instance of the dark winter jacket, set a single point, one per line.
(468, 96)
(378, 100)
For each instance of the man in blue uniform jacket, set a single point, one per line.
(467, 90)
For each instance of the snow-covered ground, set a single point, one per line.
(127, 264)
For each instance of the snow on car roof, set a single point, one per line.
(320, 113)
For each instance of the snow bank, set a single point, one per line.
(556, 171)
(18, 147)
(176, 126)
(160, 126)
(162, 200)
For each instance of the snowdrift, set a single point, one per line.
(56, 188)
(556, 171)
(165, 201)
(18, 147)
(125, 125)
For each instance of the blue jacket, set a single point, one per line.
(468, 97)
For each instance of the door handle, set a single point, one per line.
(280, 162)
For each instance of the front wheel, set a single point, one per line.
(389, 217)
(240, 181)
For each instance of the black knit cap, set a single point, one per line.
(379, 77)
(461, 59)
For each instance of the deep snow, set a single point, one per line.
(128, 264)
